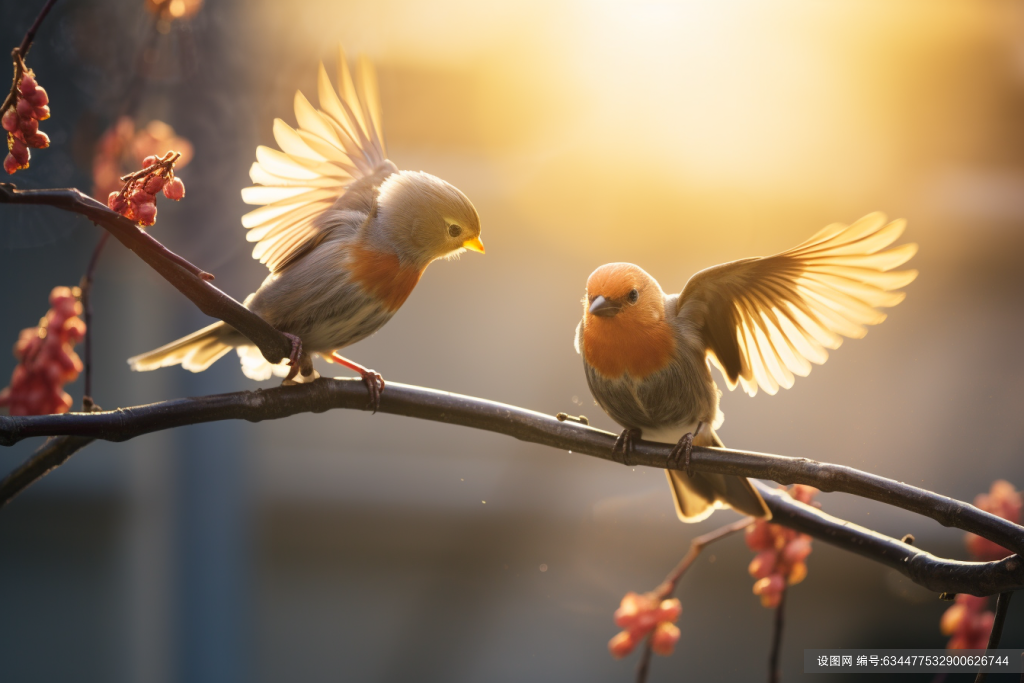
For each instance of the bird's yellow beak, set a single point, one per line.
(474, 245)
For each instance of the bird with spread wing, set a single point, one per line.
(761, 321)
(345, 234)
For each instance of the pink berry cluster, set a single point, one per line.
(46, 359)
(781, 553)
(640, 615)
(123, 146)
(1002, 500)
(28, 107)
(137, 199)
(968, 622)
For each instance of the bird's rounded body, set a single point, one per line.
(665, 389)
(322, 300)
(647, 354)
(345, 233)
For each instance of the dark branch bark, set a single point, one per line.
(976, 578)
(47, 457)
(86, 288)
(774, 669)
(30, 35)
(643, 665)
(923, 568)
(185, 277)
(1002, 606)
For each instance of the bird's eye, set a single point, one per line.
(454, 230)
(633, 296)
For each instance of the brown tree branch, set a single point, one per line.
(86, 297)
(976, 578)
(51, 455)
(185, 277)
(30, 35)
(774, 669)
(1002, 606)
(643, 665)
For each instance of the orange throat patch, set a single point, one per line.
(614, 346)
(382, 275)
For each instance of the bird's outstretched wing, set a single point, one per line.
(764, 320)
(334, 146)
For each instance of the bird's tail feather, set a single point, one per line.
(697, 496)
(196, 352)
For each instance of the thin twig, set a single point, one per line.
(668, 587)
(51, 455)
(162, 166)
(1002, 606)
(26, 42)
(86, 288)
(185, 277)
(19, 54)
(774, 669)
(643, 667)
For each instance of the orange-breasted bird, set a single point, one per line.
(345, 234)
(760, 321)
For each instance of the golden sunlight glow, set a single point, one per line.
(665, 114)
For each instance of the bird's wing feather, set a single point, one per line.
(764, 320)
(332, 148)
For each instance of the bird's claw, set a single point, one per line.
(374, 385)
(626, 441)
(684, 450)
(296, 354)
(299, 360)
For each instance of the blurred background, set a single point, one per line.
(676, 135)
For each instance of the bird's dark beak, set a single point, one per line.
(605, 308)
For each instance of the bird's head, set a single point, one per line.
(425, 218)
(623, 293)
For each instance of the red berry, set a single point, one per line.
(763, 564)
(11, 120)
(146, 213)
(143, 197)
(40, 140)
(41, 113)
(28, 126)
(664, 639)
(117, 203)
(619, 646)
(38, 98)
(148, 161)
(175, 189)
(28, 84)
(20, 152)
(10, 165)
(154, 184)
(25, 109)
